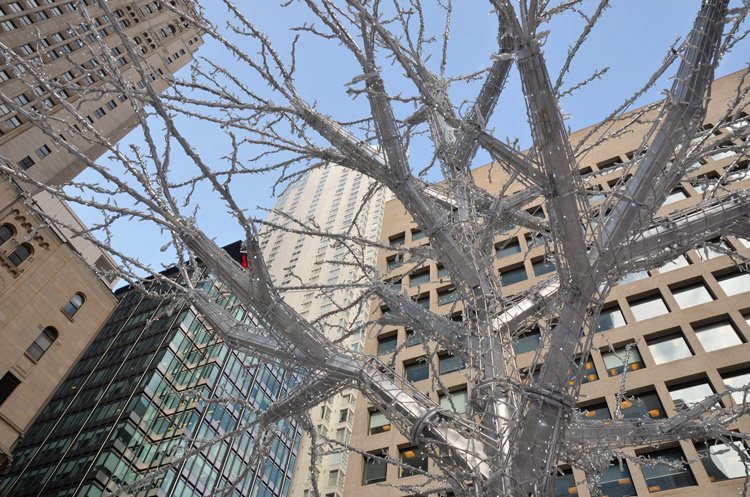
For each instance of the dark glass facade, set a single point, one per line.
(137, 400)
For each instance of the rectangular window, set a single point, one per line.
(596, 411)
(449, 364)
(333, 478)
(99, 113)
(43, 151)
(649, 307)
(686, 395)
(678, 262)
(509, 247)
(738, 379)
(374, 471)
(417, 235)
(455, 401)
(734, 283)
(510, 276)
(419, 278)
(692, 295)
(378, 423)
(643, 405)
(4, 76)
(721, 461)
(26, 162)
(344, 415)
(669, 348)
(616, 481)
(675, 196)
(447, 296)
(387, 345)
(527, 342)
(543, 267)
(8, 383)
(615, 361)
(8, 25)
(412, 338)
(565, 484)
(610, 318)
(416, 459)
(717, 336)
(111, 104)
(417, 371)
(661, 477)
(589, 372)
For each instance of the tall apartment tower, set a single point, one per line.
(332, 198)
(51, 305)
(688, 324)
(55, 37)
(119, 415)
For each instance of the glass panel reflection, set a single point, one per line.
(669, 348)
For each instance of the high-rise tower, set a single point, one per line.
(335, 200)
(136, 401)
(62, 43)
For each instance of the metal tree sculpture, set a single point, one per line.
(515, 433)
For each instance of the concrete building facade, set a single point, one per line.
(51, 304)
(687, 323)
(337, 201)
(121, 413)
(56, 38)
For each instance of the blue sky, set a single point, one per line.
(632, 38)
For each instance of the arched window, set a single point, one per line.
(6, 231)
(74, 304)
(42, 343)
(20, 254)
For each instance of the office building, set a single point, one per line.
(120, 414)
(51, 305)
(48, 270)
(53, 36)
(687, 323)
(335, 200)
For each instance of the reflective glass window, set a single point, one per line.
(527, 342)
(513, 275)
(678, 262)
(510, 247)
(734, 283)
(374, 471)
(610, 318)
(565, 484)
(643, 405)
(417, 371)
(387, 344)
(378, 423)
(692, 295)
(616, 481)
(717, 336)
(686, 395)
(661, 477)
(414, 457)
(669, 348)
(721, 461)
(616, 361)
(648, 307)
(449, 364)
(737, 379)
(456, 401)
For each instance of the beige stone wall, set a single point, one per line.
(60, 167)
(702, 364)
(32, 296)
